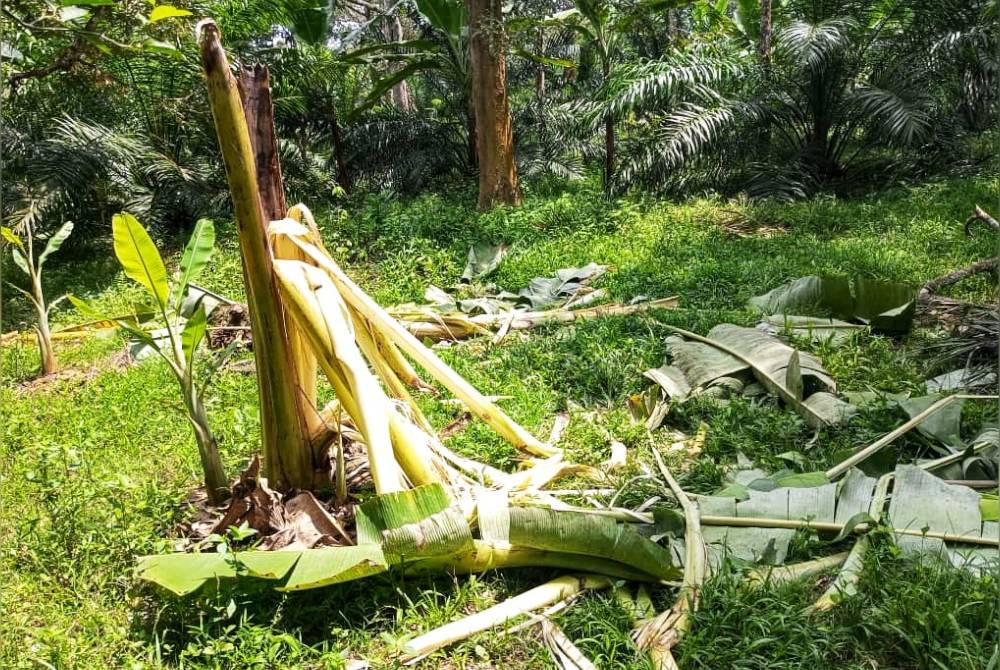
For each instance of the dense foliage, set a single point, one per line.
(104, 104)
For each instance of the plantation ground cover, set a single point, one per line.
(95, 464)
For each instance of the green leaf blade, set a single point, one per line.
(139, 257)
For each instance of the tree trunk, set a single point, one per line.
(339, 150)
(216, 486)
(494, 135)
(400, 94)
(470, 129)
(609, 140)
(764, 48)
(673, 26)
(45, 350)
(540, 87)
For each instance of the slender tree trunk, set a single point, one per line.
(673, 25)
(400, 94)
(45, 350)
(47, 353)
(609, 139)
(208, 450)
(470, 128)
(764, 49)
(540, 87)
(339, 150)
(494, 135)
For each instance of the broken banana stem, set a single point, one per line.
(317, 309)
(395, 332)
(661, 634)
(397, 389)
(541, 596)
(847, 579)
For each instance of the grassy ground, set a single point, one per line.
(94, 464)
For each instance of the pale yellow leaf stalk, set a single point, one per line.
(306, 367)
(660, 635)
(285, 443)
(847, 579)
(512, 608)
(395, 332)
(779, 574)
(316, 306)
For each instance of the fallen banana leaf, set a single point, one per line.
(846, 582)
(730, 350)
(890, 437)
(885, 306)
(961, 379)
(935, 513)
(815, 329)
(482, 260)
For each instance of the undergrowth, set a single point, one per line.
(94, 464)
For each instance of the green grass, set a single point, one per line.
(93, 467)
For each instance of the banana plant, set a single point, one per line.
(23, 251)
(178, 347)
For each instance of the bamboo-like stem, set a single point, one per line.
(889, 438)
(847, 578)
(553, 591)
(285, 444)
(832, 527)
(316, 306)
(395, 359)
(426, 324)
(392, 330)
(780, 574)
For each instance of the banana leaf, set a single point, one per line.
(885, 306)
(731, 352)
(482, 260)
(813, 328)
(920, 501)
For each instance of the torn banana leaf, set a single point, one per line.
(813, 328)
(419, 522)
(731, 352)
(783, 495)
(543, 292)
(944, 426)
(421, 529)
(482, 260)
(960, 379)
(920, 501)
(885, 306)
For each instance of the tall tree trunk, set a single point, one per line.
(494, 135)
(400, 94)
(764, 48)
(339, 150)
(470, 128)
(609, 139)
(540, 87)
(673, 25)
